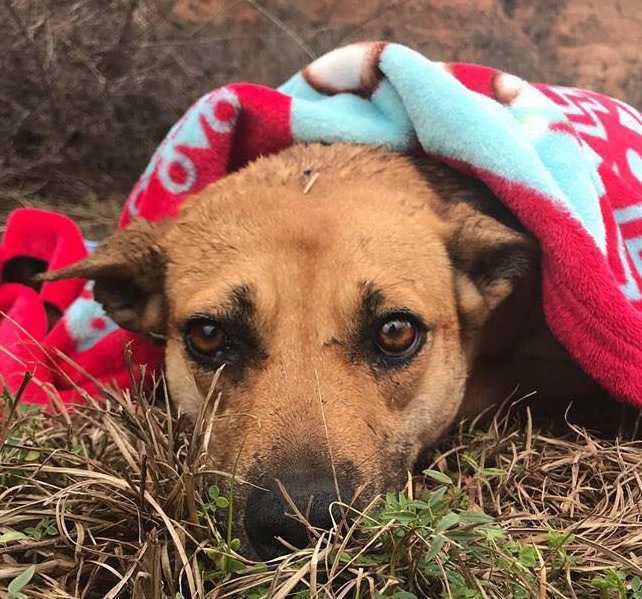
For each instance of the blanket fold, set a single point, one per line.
(566, 162)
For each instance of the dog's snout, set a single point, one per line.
(270, 517)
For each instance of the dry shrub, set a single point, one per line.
(90, 87)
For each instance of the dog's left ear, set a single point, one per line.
(491, 261)
(129, 274)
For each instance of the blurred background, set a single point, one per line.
(88, 88)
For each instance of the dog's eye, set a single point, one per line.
(204, 337)
(398, 337)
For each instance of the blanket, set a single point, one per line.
(566, 162)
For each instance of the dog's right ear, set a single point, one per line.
(129, 274)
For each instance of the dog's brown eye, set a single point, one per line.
(205, 337)
(397, 337)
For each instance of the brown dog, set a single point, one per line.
(358, 299)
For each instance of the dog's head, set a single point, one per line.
(345, 291)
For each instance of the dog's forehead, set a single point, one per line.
(291, 215)
(285, 238)
(316, 261)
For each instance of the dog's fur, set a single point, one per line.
(300, 253)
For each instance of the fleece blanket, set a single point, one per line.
(567, 162)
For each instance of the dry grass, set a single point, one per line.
(97, 218)
(116, 500)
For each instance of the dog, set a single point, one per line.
(358, 302)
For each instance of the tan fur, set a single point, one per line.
(369, 218)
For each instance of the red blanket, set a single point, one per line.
(567, 162)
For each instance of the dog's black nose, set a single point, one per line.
(269, 516)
